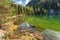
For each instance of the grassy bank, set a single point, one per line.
(43, 22)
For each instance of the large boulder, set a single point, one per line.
(51, 35)
(25, 27)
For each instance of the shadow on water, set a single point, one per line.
(41, 29)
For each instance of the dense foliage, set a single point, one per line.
(6, 10)
(41, 6)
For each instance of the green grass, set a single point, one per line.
(42, 22)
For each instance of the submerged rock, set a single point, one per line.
(51, 35)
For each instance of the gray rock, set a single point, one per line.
(25, 24)
(51, 35)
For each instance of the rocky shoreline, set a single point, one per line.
(27, 32)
